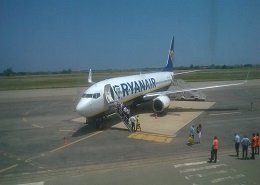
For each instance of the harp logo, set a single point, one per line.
(171, 54)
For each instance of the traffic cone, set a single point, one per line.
(65, 141)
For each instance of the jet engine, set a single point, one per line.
(160, 103)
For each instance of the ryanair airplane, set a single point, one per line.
(97, 100)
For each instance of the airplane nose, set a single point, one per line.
(81, 108)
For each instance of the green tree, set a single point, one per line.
(8, 72)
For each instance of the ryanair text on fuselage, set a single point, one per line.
(134, 86)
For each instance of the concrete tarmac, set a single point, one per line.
(34, 123)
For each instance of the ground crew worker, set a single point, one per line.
(132, 120)
(214, 150)
(245, 142)
(253, 145)
(237, 143)
(191, 139)
(257, 143)
(138, 126)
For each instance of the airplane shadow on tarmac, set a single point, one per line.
(91, 127)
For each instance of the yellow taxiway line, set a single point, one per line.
(225, 113)
(76, 141)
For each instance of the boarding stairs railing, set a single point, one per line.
(119, 111)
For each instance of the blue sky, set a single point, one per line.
(50, 35)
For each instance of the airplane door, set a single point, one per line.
(109, 94)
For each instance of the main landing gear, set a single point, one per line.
(99, 123)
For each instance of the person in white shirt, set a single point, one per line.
(237, 143)
(132, 120)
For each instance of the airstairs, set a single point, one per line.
(114, 105)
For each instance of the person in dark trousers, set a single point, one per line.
(253, 146)
(199, 129)
(257, 143)
(245, 142)
(192, 130)
(214, 150)
(237, 143)
(132, 121)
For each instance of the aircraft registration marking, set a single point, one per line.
(151, 137)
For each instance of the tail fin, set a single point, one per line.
(90, 77)
(169, 66)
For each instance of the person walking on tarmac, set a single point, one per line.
(199, 129)
(253, 146)
(237, 143)
(257, 143)
(245, 142)
(192, 130)
(214, 150)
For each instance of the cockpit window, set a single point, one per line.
(96, 95)
(87, 95)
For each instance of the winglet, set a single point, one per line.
(90, 77)
(169, 66)
(248, 73)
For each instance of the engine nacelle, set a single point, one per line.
(160, 103)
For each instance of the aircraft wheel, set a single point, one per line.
(99, 125)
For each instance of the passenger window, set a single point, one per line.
(87, 95)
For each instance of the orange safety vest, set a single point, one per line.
(257, 141)
(253, 142)
(215, 144)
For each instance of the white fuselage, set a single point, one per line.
(124, 89)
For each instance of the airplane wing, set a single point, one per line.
(152, 95)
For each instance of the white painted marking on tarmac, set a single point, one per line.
(34, 183)
(209, 174)
(225, 113)
(202, 168)
(37, 126)
(227, 178)
(190, 164)
(30, 160)
(63, 130)
(32, 110)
